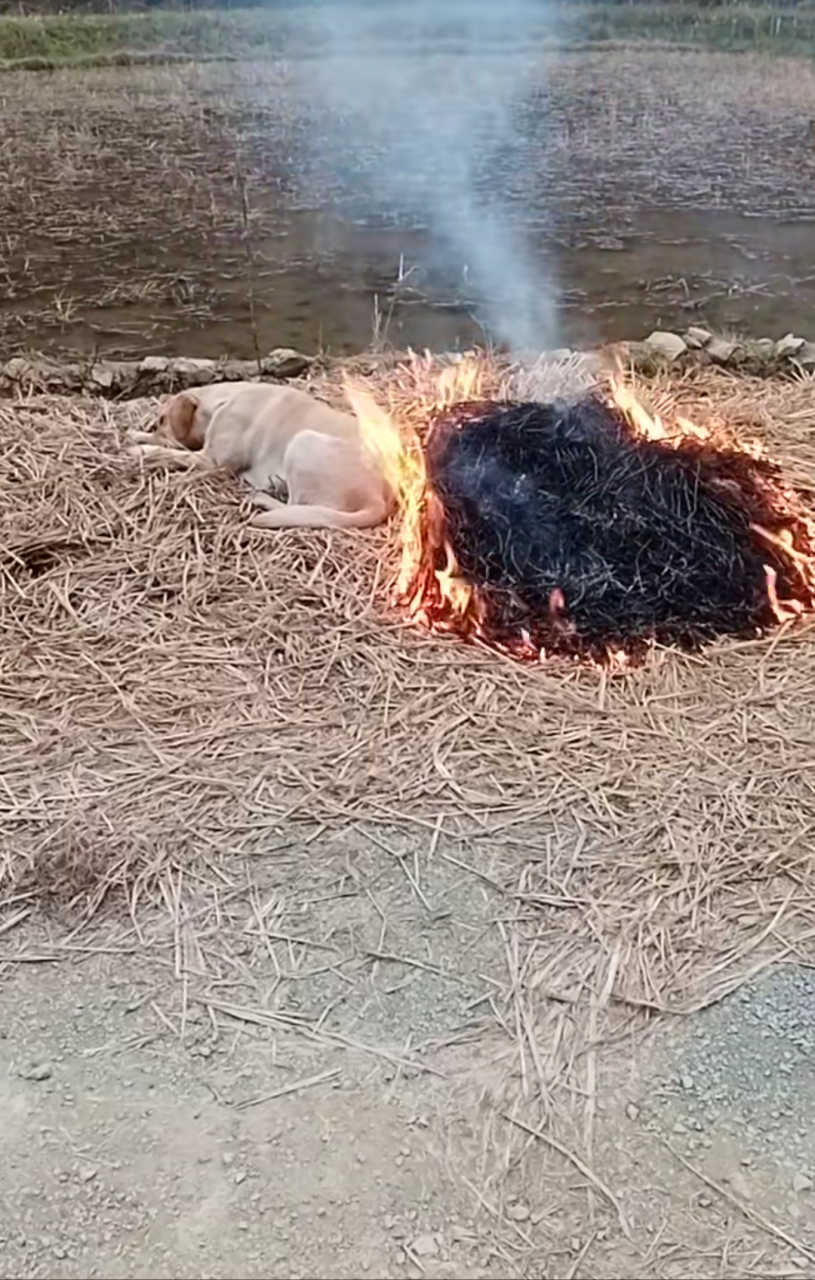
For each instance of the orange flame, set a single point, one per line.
(440, 599)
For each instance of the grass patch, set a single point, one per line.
(45, 41)
(31, 42)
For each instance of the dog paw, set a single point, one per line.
(265, 500)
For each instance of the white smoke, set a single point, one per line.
(424, 93)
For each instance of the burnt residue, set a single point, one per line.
(585, 537)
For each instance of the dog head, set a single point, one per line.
(180, 418)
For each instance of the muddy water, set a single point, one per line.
(331, 283)
(654, 190)
(324, 283)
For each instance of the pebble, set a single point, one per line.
(698, 337)
(632, 1111)
(518, 1212)
(789, 345)
(801, 1182)
(669, 345)
(37, 1071)
(721, 351)
(425, 1246)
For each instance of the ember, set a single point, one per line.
(584, 529)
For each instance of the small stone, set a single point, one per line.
(284, 362)
(102, 376)
(698, 337)
(518, 1212)
(687, 1083)
(806, 356)
(705, 1202)
(37, 1071)
(150, 364)
(88, 1175)
(801, 1182)
(194, 371)
(669, 345)
(240, 1177)
(632, 1111)
(721, 350)
(425, 1246)
(789, 345)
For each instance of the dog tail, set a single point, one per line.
(304, 516)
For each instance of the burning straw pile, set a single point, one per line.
(581, 527)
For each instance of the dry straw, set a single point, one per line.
(175, 686)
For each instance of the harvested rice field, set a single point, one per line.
(329, 946)
(216, 208)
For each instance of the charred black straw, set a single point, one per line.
(586, 537)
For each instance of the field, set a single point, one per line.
(329, 948)
(183, 209)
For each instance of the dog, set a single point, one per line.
(281, 441)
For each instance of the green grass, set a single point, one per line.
(81, 38)
(39, 42)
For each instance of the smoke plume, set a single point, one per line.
(424, 95)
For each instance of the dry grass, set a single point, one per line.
(188, 708)
(172, 684)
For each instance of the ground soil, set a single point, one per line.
(137, 1143)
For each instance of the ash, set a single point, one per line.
(583, 537)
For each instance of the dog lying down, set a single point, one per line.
(282, 442)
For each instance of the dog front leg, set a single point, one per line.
(181, 458)
(141, 437)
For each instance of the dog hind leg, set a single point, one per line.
(303, 516)
(258, 498)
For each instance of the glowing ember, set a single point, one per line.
(586, 528)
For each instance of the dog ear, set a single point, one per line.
(179, 415)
